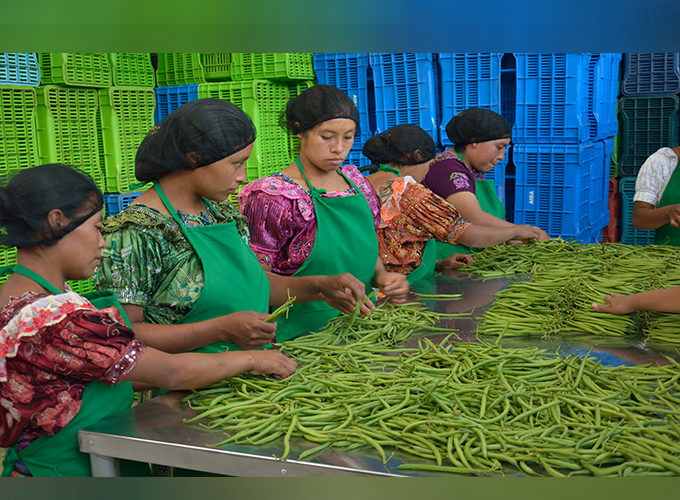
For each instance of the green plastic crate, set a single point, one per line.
(75, 69)
(294, 90)
(18, 143)
(273, 66)
(67, 122)
(179, 69)
(81, 287)
(127, 115)
(8, 257)
(132, 69)
(263, 101)
(217, 67)
(614, 160)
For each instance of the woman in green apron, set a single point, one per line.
(68, 361)
(317, 216)
(657, 196)
(480, 137)
(178, 258)
(413, 218)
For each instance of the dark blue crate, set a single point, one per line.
(348, 72)
(116, 203)
(468, 81)
(557, 186)
(406, 90)
(508, 87)
(629, 234)
(19, 69)
(650, 74)
(168, 99)
(603, 93)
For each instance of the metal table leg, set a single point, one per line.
(104, 466)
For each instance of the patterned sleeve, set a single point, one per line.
(654, 174)
(449, 176)
(270, 220)
(367, 189)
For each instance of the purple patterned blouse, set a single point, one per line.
(281, 217)
(449, 175)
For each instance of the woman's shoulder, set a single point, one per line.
(136, 216)
(277, 185)
(449, 161)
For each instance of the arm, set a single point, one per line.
(663, 300)
(246, 329)
(393, 285)
(467, 205)
(454, 261)
(646, 216)
(482, 236)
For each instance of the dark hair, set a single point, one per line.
(31, 194)
(210, 129)
(404, 144)
(477, 125)
(316, 105)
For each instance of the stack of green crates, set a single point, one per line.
(179, 69)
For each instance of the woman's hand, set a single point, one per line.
(393, 285)
(527, 234)
(247, 329)
(454, 261)
(616, 304)
(341, 291)
(272, 363)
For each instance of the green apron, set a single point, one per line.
(671, 196)
(345, 241)
(59, 455)
(489, 203)
(233, 279)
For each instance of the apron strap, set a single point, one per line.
(316, 193)
(387, 168)
(24, 271)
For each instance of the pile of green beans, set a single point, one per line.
(474, 408)
(566, 278)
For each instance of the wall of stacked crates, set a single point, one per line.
(583, 124)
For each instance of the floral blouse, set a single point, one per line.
(149, 262)
(281, 217)
(411, 215)
(51, 346)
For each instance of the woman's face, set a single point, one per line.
(222, 178)
(483, 156)
(327, 145)
(84, 247)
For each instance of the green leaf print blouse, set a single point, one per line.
(149, 262)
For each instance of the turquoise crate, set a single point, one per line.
(75, 70)
(216, 67)
(132, 69)
(127, 115)
(179, 69)
(272, 66)
(68, 123)
(18, 142)
(649, 74)
(19, 69)
(263, 101)
(630, 235)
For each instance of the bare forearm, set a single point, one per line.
(176, 338)
(482, 218)
(483, 236)
(305, 288)
(664, 300)
(647, 217)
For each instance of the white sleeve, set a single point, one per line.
(654, 174)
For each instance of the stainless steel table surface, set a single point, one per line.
(154, 431)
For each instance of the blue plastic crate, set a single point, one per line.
(603, 92)
(629, 234)
(649, 74)
(406, 90)
(168, 99)
(348, 72)
(508, 87)
(357, 158)
(19, 69)
(598, 197)
(557, 187)
(116, 203)
(468, 81)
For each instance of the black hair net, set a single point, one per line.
(31, 194)
(399, 145)
(207, 130)
(316, 105)
(477, 125)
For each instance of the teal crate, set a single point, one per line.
(179, 69)
(67, 123)
(272, 66)
(294, 90)
(19, 69)
(18, 143)
(132, 69)
(75, 69)
(263, 101)
(127, 115)
(630, 235)
(216, 67)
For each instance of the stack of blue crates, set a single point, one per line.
(649, 121)
(563, 133)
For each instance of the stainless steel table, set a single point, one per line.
(154, 432)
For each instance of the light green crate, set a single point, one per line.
(294, 90)
(67, 123)
(216, 67)
(18, 143)
(273, 66)
(127, 115)
(8, 257)
(132, 69)
(81, 287)
(179, 69)
(75, 69)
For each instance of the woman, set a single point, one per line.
(316, 217)
(661, 300)
(480, 137)
(657, 196)
(178, 257)
(65, 363)
(413, 218)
